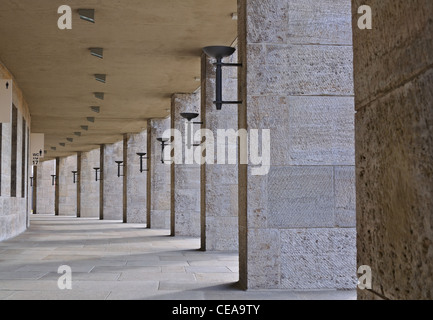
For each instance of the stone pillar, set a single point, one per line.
(137, 181)
(125, 178)
(113, 185)
(101, 181)
(78, 184)
(45, 191)
(57, 188)
(219, 182)
(297, 220)
(89, 186)
(185, 176)
(394, 148)
(34, 189)
(160, 178)
(67, 187)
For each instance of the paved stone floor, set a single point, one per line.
(111, 260)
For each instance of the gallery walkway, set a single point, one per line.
(111, 260)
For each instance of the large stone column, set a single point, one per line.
(185, 176)
(57, 188)
(160, 178)
(219, 182)
(78, 184)
(89, 185)
(394, 148)
(297, 222)
(45, 191)
(137, 181)
(67, 187)
(113, 185)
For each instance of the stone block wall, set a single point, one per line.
(137, 181)
(297, 223)
(185, 177)
(67, 187)
(160, 191)
(14, 210)
(219, 182)
(113, 185)
(45, 196)
(394, 148)
(89, 185)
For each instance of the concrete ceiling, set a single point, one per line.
(152, 49)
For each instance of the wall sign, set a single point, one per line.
(5, 100)
(37, 141)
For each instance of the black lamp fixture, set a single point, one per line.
(189, 116)
(163, 145)
(119, 164)
(218, 53)
(142, 156)
(75, 173)
(87, 15)
(53, 179)
(97, 178)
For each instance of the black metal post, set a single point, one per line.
(219, 84)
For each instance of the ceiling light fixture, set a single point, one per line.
(85, 128)
(70, 139)
(218, 53)
(101, 77)
(97, 52)
(87, 15)
(62, 144)
(95, 109)
(78, 134)
(91, 119)
(99, 95)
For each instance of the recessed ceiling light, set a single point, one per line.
(91, 119)
(234, 16)
(101, 77)
(97, 52)
(95, 109)
(70, 139)
(85, 128)
(53, 148)
(197, 79)
(78, 134)
(62, 144)
(99, 95)
(87, 15)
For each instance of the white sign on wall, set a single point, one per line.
(5, 100)
(37, 141)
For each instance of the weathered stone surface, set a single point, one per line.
(298, 84)
(185, 178)
(394, 139)
(45, 190)
(137, 181)
(219, 182)
(383, 65)
(113, 185)
(345, 196)
(301, 197)
(160, 178)
(89, 185)
(67, 189)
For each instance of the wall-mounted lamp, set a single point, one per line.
(87, 15)
(142, 156)
(163, 145)
(53, 179)
(75, 173)
(119, 164)
(218, 53)
(96, 174)
(189, 116)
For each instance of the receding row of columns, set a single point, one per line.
(294, 226)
